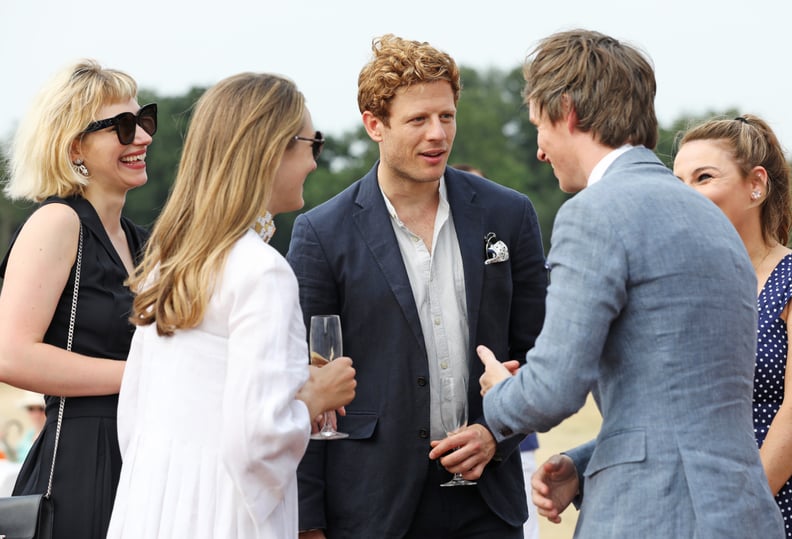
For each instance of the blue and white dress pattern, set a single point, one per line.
(771, 363)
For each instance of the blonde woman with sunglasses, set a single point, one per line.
(78, 152)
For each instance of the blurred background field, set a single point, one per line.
(13, 418)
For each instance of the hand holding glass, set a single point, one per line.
(325, 345)
(453, 416)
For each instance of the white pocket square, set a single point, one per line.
(496, 249)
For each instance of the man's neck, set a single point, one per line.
(407, 194)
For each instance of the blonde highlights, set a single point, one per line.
(238, 133)
(40, 161)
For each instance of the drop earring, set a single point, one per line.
(80, 167)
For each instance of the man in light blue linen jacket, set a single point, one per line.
(651, 306)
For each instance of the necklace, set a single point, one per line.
(759, 265)
(264, 227)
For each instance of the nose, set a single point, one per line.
(141, 137)
(436, 130)
(541, 156)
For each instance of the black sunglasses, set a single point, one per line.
(126, 123)
(316, 143)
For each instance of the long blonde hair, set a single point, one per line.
(41, 150)
(238, 134)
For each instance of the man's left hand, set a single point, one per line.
(467, 451)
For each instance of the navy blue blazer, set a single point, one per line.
(347, 261)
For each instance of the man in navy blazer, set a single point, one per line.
(651, 306)
(422, 262)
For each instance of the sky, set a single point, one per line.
(709, 55)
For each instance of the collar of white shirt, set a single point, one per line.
(599, 170)
(443, 206)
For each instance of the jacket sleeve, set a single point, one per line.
(317, 295)
(587, 292)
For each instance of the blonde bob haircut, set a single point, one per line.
(238, 134)
(398, 63)
(41, 163)
(610, 85)
(751, 143)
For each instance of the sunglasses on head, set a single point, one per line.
(316, 143)
(125, 124)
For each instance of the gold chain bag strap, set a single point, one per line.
(30, 516)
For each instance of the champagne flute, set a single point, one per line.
(453, 416)
(325, 345)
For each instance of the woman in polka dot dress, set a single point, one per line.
(739, 165)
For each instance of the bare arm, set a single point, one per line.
(38, 269)
(778, 444)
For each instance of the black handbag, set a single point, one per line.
(26, 517)
(31, 516)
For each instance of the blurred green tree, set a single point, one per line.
(493, 134)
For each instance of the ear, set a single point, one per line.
(569, 113)
(572, 119)
(758, 178)
(75, 151)
(373, 126)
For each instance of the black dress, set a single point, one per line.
(88, 462)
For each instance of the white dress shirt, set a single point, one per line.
(438, 284)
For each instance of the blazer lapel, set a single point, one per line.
(373, 221)
(469, 226)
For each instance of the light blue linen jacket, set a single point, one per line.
(652, 307)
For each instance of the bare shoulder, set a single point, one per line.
(52, 231)
(58, 219)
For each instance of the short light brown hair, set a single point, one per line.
(610, 85)
(41, 150)
(401, 63)
(751, 142)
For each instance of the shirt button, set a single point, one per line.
(421, 381)
(506, 431)
(423, 433)
(444, 364)
(437, 321)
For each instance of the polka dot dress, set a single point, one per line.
(771, 359)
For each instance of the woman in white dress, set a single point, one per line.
(216, 400)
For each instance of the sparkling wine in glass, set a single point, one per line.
(325, 345)
(453, 415)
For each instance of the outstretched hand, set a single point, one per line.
(553, 486)
(494, 371)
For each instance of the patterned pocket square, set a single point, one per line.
(496, 249)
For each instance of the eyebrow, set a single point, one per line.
(705, 167)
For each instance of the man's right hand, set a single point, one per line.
(553, 486)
